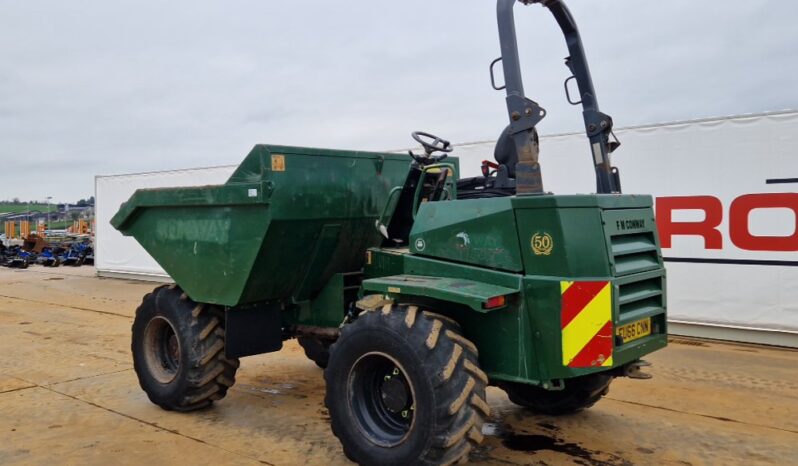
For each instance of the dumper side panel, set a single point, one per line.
(480, 232)
(284, 223)
(208, 250)
(323, 205)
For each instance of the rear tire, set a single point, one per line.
(178, 351)
(579, 393)
(404, 387)
(316, 350)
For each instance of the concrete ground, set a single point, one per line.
(68, 395)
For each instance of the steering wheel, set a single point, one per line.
(432, 144)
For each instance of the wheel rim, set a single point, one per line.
(381, 399)
(162, 350)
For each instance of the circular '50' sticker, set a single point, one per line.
(542, 244)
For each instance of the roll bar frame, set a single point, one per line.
(525, 114)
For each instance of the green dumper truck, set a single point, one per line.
(413, 287)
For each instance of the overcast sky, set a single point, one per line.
(109, 87)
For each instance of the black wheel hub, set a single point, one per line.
(381, 398)
(162, 350)
(395, 393)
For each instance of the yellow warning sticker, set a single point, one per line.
(278, 163)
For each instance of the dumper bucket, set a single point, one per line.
(284, 223)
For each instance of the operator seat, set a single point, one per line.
(505, 152)
(497, 180)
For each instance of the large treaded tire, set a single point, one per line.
(316, 350)
(441, 370)
(579, 393)
(201, 374)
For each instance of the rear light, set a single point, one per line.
(494, 302)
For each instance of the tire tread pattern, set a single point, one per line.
(453, 364)
(209, 373)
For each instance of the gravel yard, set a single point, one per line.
(68, 395)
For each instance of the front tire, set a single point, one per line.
(178, 351)
(404, 387)
(579, 393)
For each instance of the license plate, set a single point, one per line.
(635, 330)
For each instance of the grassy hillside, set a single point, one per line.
(6, 208)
